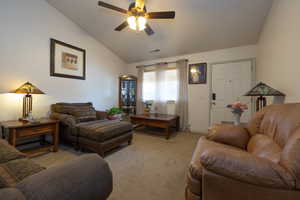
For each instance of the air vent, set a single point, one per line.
(154, 51)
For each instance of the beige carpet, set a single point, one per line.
(152, 168)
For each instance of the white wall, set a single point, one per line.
(25, 31)
(199, 94)
(278, 50)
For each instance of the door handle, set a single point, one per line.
(214, 96)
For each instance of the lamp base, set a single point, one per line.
(27, 105)
(31, 121)
(261, 102)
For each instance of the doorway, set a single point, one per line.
(229, 82)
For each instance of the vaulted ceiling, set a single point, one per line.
(200, 25)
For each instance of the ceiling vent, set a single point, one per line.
(155, 51)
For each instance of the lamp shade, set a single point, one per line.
(262, 89)
(28, 88)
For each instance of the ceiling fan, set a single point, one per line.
(138, 16)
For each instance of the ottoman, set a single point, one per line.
(103, 135)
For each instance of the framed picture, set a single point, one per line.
(197, 73)
(67, 61)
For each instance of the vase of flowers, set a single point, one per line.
(237, 109)
(148, 104)
(114, 113)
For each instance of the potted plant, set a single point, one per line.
(114, 113)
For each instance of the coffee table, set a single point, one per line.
(157, 120)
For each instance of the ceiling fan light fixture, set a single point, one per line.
(137, 23)
(138, 16)
(142, 21)
(132, 22)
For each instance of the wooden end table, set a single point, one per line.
(18, 131)
(157, 120)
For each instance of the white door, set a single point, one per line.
(230, 81)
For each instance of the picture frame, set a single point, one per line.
(198, 73)
(67, 61)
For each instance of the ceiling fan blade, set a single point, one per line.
(109, 6)
(122, 26)
(149, 30)
(161, 15)
(139, 4)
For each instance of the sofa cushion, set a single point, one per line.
(102, 130)
(236, 136)
(264, 147)
(82, 112)
(84, 116)
(15, 171)
(67, 108)
(8, 152)
(280, 122)
(246, 167)
(203, 144)
(63, 109)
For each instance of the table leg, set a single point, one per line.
(56, 138)
(42, 139)
(12, 137)
(177, 124)
(3, 132)
(168, 133)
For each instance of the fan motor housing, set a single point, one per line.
(133, 9)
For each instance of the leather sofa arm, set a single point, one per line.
(245, 167)
(88, 177)
(64, 118)
(228, 134)
(11, 194)
(101, 115)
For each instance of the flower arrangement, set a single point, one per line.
(114, 113)
(148, 105)
(237, 107)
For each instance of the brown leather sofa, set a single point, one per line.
(259, 162)
(86, 128)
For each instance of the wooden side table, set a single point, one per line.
(18, 131)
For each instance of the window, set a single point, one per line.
(149, 85)
(170, 87)
(160, 87)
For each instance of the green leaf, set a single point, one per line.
(114, 111)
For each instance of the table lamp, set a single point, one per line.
(27, 89)
(261, 90)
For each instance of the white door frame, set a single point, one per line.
(253, 77)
